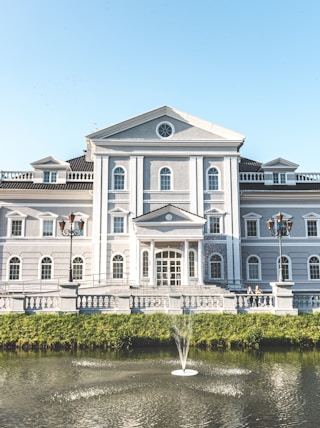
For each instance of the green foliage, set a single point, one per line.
(209, 331)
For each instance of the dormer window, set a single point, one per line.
(279, 178)
(50, 177)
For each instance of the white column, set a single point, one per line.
(139, 190)
(196, 184)
(186, 263)
(138, 270)
(200, 179)
(200, 261)
(104, 219)
(99, 218)
(233, 222)
(152, 272)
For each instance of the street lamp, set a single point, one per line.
(71, 232)
(279, 229)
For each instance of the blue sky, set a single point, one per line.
(70, 67)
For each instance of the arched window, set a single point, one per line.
(213, 179)
(314, 270)
(77, 268)
(165, 179)
(253, 268)
(285, 268)
(117, 266)
(145, 264)
(46, 268)
(192, 265)
(215, 266)
(14, 268)
(118, 178)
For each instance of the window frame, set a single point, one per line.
(18, 267)
(118, 174)
(75, 268)
(16, 216)
(210, 176)
(44, 268)
(279, 178)
(210, 219)
(116, 273)
(258, 265)
(50, 177)
(221, 267)
(313, 264)
(145, 261)
(168, 176)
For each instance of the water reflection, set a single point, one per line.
(97, 389)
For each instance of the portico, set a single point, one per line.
(169, 248)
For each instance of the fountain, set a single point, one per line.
(182, 331)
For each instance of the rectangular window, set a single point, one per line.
(47, 228)
(312, 228)
(253, 271)
(214, 225)
(145, 264)
(50, 177)
(118, 225)
(279, 178)
(16, 228)
(314, 272)
(251, 227)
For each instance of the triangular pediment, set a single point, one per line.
(279, 164)
(311, 216)
(169, 214)
(252, 216)
(50, 163)
(186, 127)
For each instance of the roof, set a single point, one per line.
(80, 164)
(248, 165)
(25, 185)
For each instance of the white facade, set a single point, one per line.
(167, 201)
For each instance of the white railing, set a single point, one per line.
(149, 303)
(308, 176)
(97, 303)
(42, 304)
(306, 302)
(203, 303)
(72, 176)
(251, 177)
(130, 302)
(16, 176)
(83, 176)
(247, 302)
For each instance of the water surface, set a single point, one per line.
(98, 389)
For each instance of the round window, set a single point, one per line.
(165, 130)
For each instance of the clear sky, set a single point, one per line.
(70, 67)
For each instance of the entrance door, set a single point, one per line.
(168, 268)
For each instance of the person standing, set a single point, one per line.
(250, 293)
(257, 292)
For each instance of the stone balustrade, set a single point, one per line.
(68, 300)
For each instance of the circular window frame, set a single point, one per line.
(165, 122)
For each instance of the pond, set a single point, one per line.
(101, 389)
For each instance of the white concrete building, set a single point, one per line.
(167, 201)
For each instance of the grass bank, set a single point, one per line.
(209, 331)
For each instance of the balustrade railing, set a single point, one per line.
(245, 302)
(306, 302)
(131, 302)
(42, 303)
(97, 303)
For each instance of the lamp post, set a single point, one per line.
(279, 229)
(71, 233)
